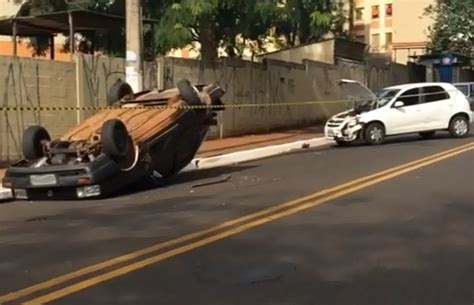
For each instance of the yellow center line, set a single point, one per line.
(242, 228)
(149, 250)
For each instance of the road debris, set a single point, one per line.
(212, 182)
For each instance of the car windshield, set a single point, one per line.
(383, 97)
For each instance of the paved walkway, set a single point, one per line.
(228, 145)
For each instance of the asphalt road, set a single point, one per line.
(401, 237)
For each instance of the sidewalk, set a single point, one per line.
(217, 147)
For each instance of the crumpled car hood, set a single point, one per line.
(357, 92)
(354, 90)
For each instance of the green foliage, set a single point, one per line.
(453, 29)
(228, 24)
(304, 21)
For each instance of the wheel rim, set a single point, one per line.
(460, 127)
(376, 134)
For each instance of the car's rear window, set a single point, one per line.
(433, 94)
(464, 89)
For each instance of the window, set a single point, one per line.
(375, 42)
(388, 10)
(388, 39)
(410, 97)
(471, 94)
(375, 12)
(360, 38)
(359, 13)
(464, 89)
(433, 94)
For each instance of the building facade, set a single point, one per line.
(9, 8)
(397, 28)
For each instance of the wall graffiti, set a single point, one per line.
(36, 82)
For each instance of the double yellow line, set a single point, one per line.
(64, 285)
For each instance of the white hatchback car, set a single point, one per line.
(422, 108)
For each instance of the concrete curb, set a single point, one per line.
(252, 154)
(230, 159)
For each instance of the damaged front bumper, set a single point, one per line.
(343, 129)
(61, 181)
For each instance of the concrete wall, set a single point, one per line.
(275, 82)
(30, 82)
(322, 52)
(33, 82)
(98, 73)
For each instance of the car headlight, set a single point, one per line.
(88, 191)
(353, 122)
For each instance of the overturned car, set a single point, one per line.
(150, 133)
(422, 108)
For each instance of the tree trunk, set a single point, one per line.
(208, 39)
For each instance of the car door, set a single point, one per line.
(407, 118)
(471, 96)
(435, 107)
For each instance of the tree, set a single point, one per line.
(304, 21)
(453, 28)
(214, 24)
(230, 25)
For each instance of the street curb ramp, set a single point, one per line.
(252, 154)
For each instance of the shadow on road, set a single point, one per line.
(186, 177)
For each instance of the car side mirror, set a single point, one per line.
(398, 104)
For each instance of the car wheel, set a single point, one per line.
(189, 94)
(427, 134)
(32, 142)
(374, 134)
(115, 139)
(459, 127)
(118, 91)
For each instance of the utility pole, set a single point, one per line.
(134, 65)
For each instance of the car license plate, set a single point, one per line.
(43, 180)
(330, 133)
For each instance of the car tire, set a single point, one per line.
(32, 142)
(119, 91)
(342, 143)
(427, 134)
(459, 127)
(188, 93)
(115, 139)
(374, 134)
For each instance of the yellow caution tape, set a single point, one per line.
(187, 107)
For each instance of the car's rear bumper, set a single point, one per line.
(60, 181)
